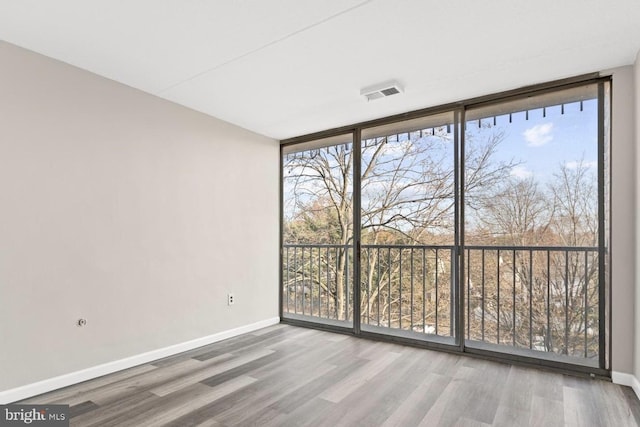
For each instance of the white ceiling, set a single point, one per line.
(289, 67)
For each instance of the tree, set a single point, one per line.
(408, 198)
(517, 213)
(543, 299)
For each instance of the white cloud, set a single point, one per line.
(538, 135)
(521, 172)
(575, 164)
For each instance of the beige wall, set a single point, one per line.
(622, 219)
(636, 322)
(133, 212)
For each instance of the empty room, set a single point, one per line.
(319, 213)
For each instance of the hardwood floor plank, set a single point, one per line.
(546, 412)
(466, 422)
(283, 389)
(631, 401)
(345, 387)
(250, 342)
(436, 414)
(110, 392)
(511, 417)
(191, 378)
(268, 329)
(248, 406)
(419, 402)
(445, 364)
(221, 347)
(170, 412)
(208, 423)
(517, 394)
(295, 399)
(243, 369)
(392, 386)
(579, 409)
(338, 337)
(615, 410)
(72, 395)
(252, 411)
(305, 415)
(122, 407)
(302, 338)
(548, 385)
(466, 396)
(162, 410)
(82, 408)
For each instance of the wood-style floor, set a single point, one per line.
(289, 376)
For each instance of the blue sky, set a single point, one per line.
(543, 144)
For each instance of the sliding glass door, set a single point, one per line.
(481, 228)
(535, 239)
(408, 228)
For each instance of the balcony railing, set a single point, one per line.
(409, 288)
(535, 298)
(318, 281)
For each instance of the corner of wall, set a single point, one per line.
(622, 220)
(636, 115)
(625, 244)
(628, 380)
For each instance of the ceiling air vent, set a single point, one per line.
(381, 90)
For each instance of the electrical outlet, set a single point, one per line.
(231, 299)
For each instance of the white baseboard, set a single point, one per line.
(34, 389)
(626, 379)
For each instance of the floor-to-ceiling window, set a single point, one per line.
(532, 240)
(317, 231)
(481, 227)
(408, 228)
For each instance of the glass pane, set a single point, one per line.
(318, 231)
(531, 224)
(408, 234)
